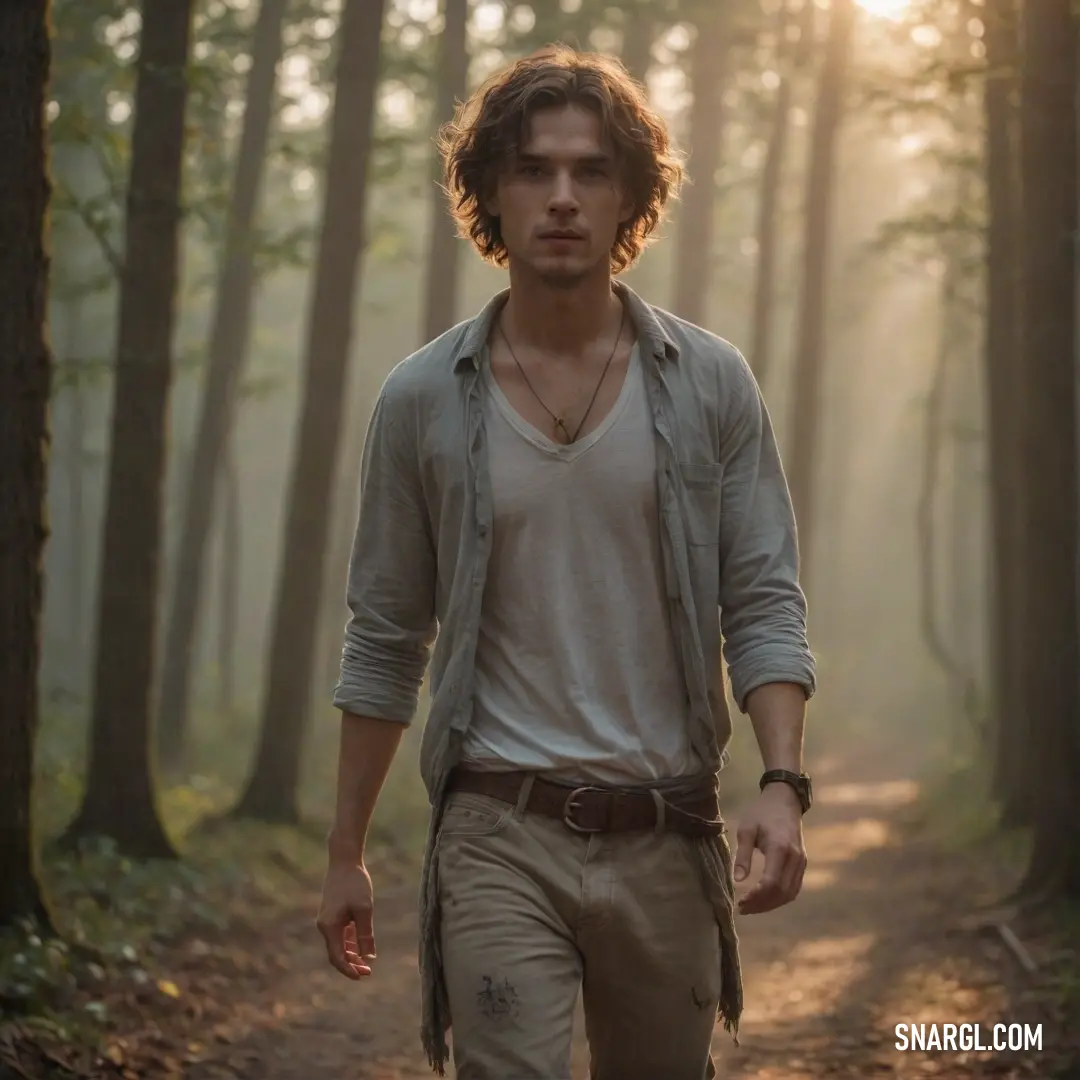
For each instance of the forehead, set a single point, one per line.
(563, 130)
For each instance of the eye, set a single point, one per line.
(593, 172)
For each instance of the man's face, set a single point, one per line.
(561, 201)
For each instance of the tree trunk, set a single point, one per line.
(937, 421)
(335, 612)
(25, 378)
(768, 218)
(810, 339)
(1052, 691)
(228, 347)
(967, 523)
(637, 42)
(120, 797)
(550, 23)
(1005, 385)
(697, 215)
(272, 789)
(443, 273)
(76, 489)
(229, 584)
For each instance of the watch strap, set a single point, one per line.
(800, 782)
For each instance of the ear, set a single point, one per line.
(627, 209)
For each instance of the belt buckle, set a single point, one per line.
(571, 804)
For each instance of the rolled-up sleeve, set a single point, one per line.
(391, 579)
(762, 606)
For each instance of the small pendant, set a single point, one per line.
(560, 426)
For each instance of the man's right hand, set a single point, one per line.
(345, 919)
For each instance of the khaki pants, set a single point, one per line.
(531, 912)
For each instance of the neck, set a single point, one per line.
(554, 319)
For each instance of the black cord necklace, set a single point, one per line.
(559, 422)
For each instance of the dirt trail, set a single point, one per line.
(873, 941)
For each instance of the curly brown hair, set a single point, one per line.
(488, 129)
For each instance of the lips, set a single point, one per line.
(560, 235)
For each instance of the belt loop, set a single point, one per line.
(523, 796)
(661, 807)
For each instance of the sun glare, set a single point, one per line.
(884, 9)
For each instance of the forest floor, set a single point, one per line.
(892, 927)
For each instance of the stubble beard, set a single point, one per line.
(565, 280)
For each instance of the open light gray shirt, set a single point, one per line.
(423, 542)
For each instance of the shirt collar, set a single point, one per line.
(652, 335)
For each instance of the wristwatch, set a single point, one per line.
(799, 781)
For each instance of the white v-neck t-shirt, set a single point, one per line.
(577, 674)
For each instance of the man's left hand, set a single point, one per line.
(773, 826)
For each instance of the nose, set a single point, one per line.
(563, 199)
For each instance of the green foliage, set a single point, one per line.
(921, 237)
(93, 81)
(930, 91)
(117, 918)
(71, 371)
(957, 811)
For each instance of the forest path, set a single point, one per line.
(874, 940)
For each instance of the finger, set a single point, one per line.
(744, 853)
(802, 874)
(763, 897)
(359, 964)
(334, 936)
(768, 892)
(358, 948)
(335, 953)
(792, 875)
(774, 892)
(363, 920)
(353, 945)
(776, 859)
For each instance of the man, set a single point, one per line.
(579, 490)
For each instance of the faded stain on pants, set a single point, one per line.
(531, 913)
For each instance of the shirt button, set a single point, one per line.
(483, 531)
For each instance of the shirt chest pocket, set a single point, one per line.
(702, 484)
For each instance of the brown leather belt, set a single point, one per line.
(592, 809)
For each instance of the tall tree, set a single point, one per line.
(550, 24)
(949, 393)
(120, 798)
(1049, 179)
(697, 215)
(229, 338)
(229, 582)
(638, 33)
(769, 191)
(272, 788)
(1005, 381)
(810, 334)
(74, 456)
(443, 267)
(25, 379)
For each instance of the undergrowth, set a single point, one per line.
(121, 923)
